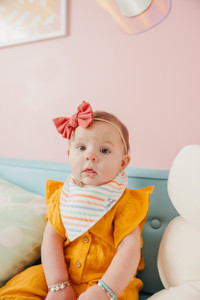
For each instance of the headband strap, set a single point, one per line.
(120, 133)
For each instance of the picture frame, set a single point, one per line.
(23, 21)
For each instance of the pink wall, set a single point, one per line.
(150, 80)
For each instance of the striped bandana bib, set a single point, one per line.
(81, 206)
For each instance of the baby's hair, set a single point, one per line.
(113, 119)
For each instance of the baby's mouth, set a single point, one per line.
(89, 172)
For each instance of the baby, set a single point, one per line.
(92, 241)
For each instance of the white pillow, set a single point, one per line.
(22, 222)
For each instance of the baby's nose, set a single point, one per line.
(91, 156)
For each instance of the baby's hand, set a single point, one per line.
(65, 294)
(94, 292)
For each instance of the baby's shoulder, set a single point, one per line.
(133, 199)
(53, 188)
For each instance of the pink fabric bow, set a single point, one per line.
(83, 118)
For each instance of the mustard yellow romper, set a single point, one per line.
(89, 256)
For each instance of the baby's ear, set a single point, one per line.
(125, 161)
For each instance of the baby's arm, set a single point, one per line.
(124, 265)
(122, 268)
(53, 263)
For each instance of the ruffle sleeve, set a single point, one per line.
(53, 192)
(131, 213)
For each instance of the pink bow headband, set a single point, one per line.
(84, 118)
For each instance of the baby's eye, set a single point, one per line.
(81, 148)
(105, 151)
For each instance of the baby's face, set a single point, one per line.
(96, 154)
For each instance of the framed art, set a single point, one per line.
(23, 21)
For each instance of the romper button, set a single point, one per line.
(78, 264)
(85, 240)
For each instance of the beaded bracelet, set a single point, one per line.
(58, 286)
(106, 289)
